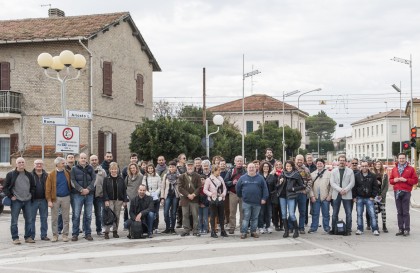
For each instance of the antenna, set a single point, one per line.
(46, 5)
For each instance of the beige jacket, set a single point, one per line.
(321, 185)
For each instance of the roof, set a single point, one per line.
(258, 102)
(390, 114)
(55, 28)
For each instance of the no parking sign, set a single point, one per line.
(67, 139)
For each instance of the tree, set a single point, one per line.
(194, 114)
(323, 126)
(165, 109)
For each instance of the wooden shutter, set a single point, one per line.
(114, 147)
(107, 78)
(101, 145)
(14, 143)
(4, 76)
(139, 88)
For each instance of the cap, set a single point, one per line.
(190, 162)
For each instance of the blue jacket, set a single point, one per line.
(252, 189)
(83, 178)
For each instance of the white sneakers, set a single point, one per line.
(269, 230)
(262, 230)
(376, 233)
(359, 232)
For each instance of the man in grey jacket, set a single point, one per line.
(342, 182)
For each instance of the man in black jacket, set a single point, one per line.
(142, 209)
(20, 188)
(39, 202)
(364, 191)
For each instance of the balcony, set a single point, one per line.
(10, 104)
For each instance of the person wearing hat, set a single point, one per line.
(189, 187)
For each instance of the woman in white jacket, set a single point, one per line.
(153, 184)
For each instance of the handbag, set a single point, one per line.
(218, 200)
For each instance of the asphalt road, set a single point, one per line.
(269, 253)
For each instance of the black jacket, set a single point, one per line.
(82, 178)
(11, 180)
(108, 189)
(271, 183)
(233, 174)
(143, 205)
(293, 182)
(365, 186)
(42, 181)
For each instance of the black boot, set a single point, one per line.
(286, 229)
(384, 229)
(223, 233)
(296, 229)
(213, 234)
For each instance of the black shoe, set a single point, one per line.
(302, 231)
(99, 233)
(197, 234)
(400, 233)
(185, 234)
(368, 228)
(331, 232)
(214, 235)
(115, 234)
(150, 235)
(178, 225)
(295, 229)
(384, 229)
(166, 231)
(348, 233)
(173, 232)
(277, 228)
(129, 236)
(223, 233)
(406, 233)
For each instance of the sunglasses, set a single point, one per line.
(353, 163)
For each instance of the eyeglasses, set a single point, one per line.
(353, 163)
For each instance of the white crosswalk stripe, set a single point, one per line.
(339, 267)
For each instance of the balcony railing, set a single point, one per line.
(10, 102)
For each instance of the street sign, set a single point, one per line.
(53, 121)
(79, 114)
(67, 139)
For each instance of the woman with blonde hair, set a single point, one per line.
(380, 199)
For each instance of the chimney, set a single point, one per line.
(55, 13)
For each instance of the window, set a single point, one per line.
(5, 77)
(372, 131)
(377, 129)
(355, 133)
(363, 132)
(139, 89)
(382, 129)
(382, 147)
(393, 129)
(359, 134)
(107, 78)
(367, 131)
(249, 126)
(4, 150)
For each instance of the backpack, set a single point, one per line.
(340, 228)
(136, 230)
(108, 217)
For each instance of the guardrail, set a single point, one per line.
(10, 102)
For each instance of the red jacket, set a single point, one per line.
(409, 173)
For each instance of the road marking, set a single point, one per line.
(357, 265)
(31, 269)
(142, 250)
(206, 261)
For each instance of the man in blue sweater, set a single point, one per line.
(251, 187)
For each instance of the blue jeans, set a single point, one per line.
(169, 211)
(348, 204)
(203, 219)
(251, 213)
(15, 208)
(42, 206)
(79, 201)
(288, 205)
(156, 207)
(98, 205)
(323, 206)
(149, 217)
(370, 210)
(264, 219)
(301, 204)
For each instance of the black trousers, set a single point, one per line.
(220, 212)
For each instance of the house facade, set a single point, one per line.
(116, 85)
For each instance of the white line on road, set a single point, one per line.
(358, 265)
(142, 250)
(206, 261)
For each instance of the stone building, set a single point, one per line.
(116, 85)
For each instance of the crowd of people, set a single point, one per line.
(203, 196)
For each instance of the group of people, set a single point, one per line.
(193, 193)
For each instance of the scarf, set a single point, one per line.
(402, 167)
(172, 177)
(160, 168)
(278, 172)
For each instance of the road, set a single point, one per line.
(172, 253)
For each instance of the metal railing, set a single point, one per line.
(10, 102)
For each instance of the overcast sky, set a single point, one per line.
(343, 47)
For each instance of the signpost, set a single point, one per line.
(79, 114)
(50, 121)
(67, 139)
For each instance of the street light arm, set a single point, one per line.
(218, 127)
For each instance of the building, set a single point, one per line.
(262, 109)
(116, 86)
(372, 137)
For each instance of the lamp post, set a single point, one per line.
(412, 124)
(245, 75)
(315, 90)
(319, 138)
(284, 96)
(398, 89)
(217, 120)
(66, 59)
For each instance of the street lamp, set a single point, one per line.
(66, 59)
(217, 120)
(283, 142)
(399, 91)
(409, 63)
(319, 138)
(245, 75)
(315, 90)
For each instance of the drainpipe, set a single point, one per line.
(91, 94)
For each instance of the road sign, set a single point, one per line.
(53, 121)
(67, 139)
(79, 114)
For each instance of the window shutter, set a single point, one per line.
(4, 76)
(114, 146)
(107, 78)
(139, 89)
(101, 145)
(14, 143)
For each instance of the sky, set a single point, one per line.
(344, 47)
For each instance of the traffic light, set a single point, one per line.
(413, 136)
(405, 145)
